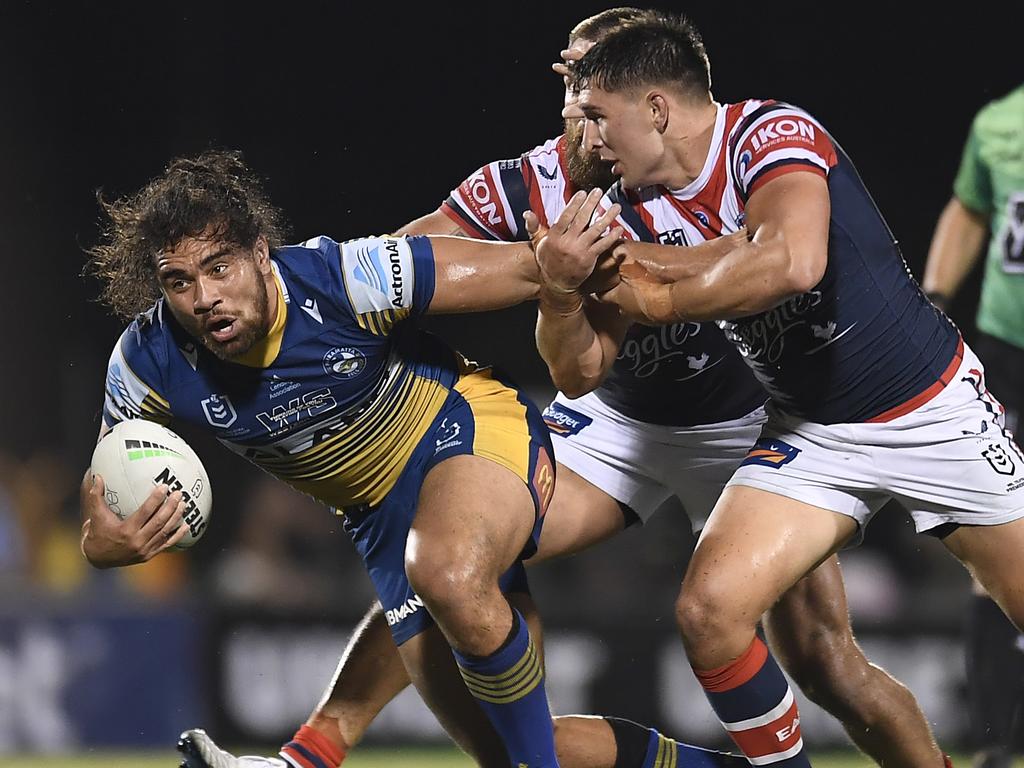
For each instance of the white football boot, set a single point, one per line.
(198, 750)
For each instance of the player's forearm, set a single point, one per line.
(750, 277)
(956, 245)
(669, 264)
(569, 344)
(476, 276)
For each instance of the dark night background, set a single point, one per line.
(362, 117)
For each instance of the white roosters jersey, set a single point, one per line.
(680, 375)
(862, 345)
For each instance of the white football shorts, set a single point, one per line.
(641, 465)
(949, 461)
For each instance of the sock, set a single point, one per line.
(637, 746)
(311, 749)
(994, 662)
(509, 685)
(754, 702)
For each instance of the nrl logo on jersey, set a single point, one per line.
(219, 411)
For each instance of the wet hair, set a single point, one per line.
(213, 194)
(666, 50)
(595, 27)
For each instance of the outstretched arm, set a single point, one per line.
(475, 276)
(787, 256)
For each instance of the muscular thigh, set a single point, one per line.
(758, 544)
(580, 516)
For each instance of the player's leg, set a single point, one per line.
(369, 675)
(992, 642)
(755, 546)
(474, 518)
(809, 631)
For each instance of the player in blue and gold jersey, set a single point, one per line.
(307, 360)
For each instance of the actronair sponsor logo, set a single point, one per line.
(143, 449)
(405, 610)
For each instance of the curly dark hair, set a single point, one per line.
(214, 192)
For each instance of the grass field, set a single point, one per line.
(363, 758)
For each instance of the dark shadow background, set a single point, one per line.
(362, 117)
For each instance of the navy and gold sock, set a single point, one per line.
(637, 746)
(509, 684)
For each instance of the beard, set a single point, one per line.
(586, 169)
(253, 328)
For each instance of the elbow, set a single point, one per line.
(804, 275)
(574, 384)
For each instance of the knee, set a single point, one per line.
(438, 578)
(704, 615)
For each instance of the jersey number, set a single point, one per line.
(1011, 239)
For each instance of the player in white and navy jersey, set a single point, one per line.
(307, 360)
(676, 415)
(874, 395)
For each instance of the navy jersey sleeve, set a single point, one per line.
(133, 382)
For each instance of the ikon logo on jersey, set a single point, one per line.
(565, 421)
(768, 452)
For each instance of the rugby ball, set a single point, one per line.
(137, 455)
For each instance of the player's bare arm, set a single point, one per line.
(110, 542)
(577, 336)
(477, 276)
(956, 246)
(787, 256)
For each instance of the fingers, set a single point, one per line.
(571, 54)
(170, 510)
(532, 224)
(560, 68)
(151, 505)
(175, 537)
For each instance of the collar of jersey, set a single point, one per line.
(264, 352)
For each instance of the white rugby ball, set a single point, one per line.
(137, 455)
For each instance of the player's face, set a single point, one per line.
(586, 170)
(620, 128)
(217, 291)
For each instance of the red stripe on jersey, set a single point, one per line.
(735, 673)
(480, 194)
(781, 170)
(457, 218)
(918, 400)
(772, 738)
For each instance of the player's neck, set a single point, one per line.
(687, 143)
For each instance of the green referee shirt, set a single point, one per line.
(991, 181)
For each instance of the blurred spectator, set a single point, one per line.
(290, 556)
(988, 207)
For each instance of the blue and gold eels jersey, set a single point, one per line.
(335, 398)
